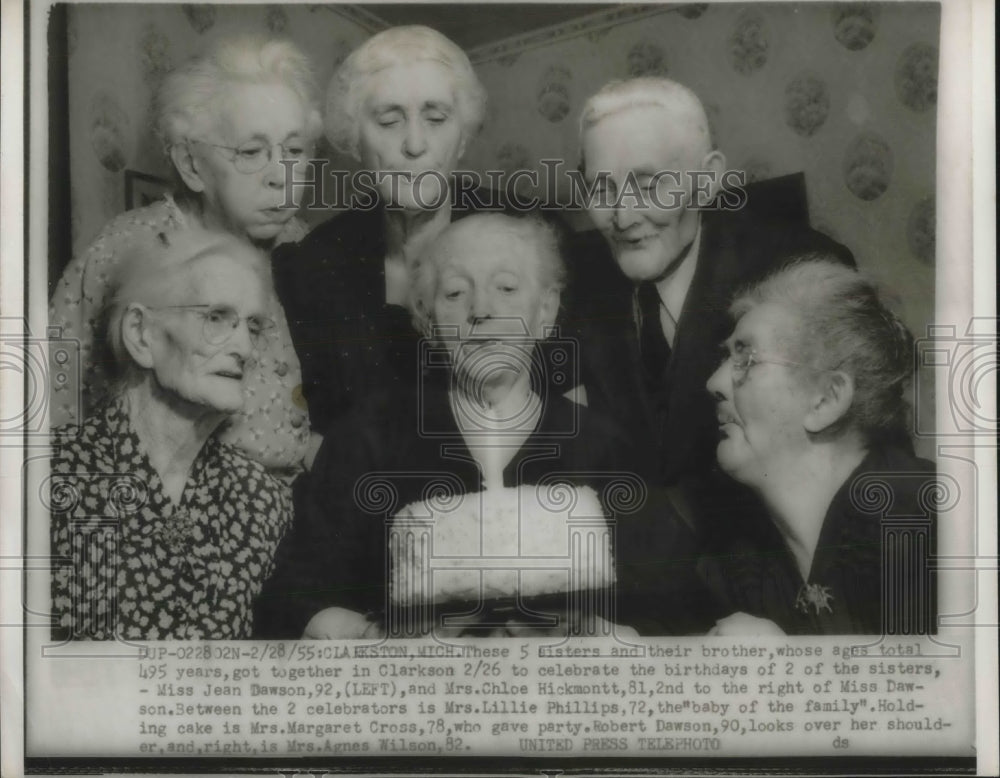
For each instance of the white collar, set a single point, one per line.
(674, 288)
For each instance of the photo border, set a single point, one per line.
(32, 305)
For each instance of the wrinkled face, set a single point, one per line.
(761, 412)
(409, 125)
(642, 172)
(253, 118)
(490, 306)
(185, 363)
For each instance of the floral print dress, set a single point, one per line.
(132, 564)
(273, 427)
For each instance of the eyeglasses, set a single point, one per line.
(253, 156)
(741, 361)
(219, 322)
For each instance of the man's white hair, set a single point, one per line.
(687, 113)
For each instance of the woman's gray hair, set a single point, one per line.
(398, 46)
(530, 231)
(845, 327)
(151, 264)
(186, 104)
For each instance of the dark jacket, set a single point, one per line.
(674, 431)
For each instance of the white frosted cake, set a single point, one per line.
(500, 543)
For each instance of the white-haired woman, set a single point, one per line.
(812, 417)
(227, 120)
(487, 290)
(170, 532)
(404, 104)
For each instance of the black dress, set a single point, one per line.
(348, 340)
(871, 573)
(385, 456)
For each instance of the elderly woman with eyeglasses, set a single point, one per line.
(812, 418)
(404, 104)
(228, 120)
(169, 531)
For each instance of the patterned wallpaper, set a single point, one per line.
(845, 92)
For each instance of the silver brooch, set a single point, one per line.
(816, 595)
(176, 530)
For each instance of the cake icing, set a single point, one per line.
(500, 543)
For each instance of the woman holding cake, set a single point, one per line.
(485, 293)
(812, 418)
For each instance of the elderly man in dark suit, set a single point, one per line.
(649, 306)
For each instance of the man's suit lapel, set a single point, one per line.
(698, 334)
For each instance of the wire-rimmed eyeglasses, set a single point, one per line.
(741, 360)
(219, 322)
(254, 155)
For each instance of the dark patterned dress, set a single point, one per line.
(132, 563)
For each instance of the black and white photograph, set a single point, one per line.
(495, 388)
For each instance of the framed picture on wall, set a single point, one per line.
(141, 189)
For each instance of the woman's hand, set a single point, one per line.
(600, 627)
(624, 631)
(341, 624)
(746, 625)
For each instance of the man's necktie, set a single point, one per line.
(652, 342)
